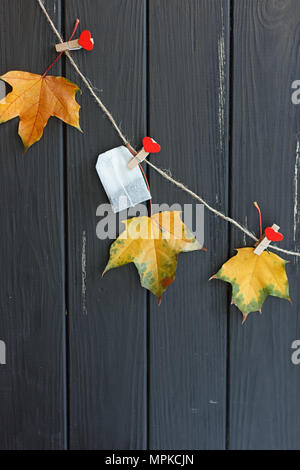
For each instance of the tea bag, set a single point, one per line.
(124, 187)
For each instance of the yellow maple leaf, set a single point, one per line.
(35, 99)
(153, 245)
(253, 278)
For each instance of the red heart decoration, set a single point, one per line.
(272, 235)
(85, 40)
(150, 145)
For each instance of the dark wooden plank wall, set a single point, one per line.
(211, 81)
(108, 338)
(188, 97)
(264, 404)
(32, 303)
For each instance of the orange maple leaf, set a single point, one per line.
(35, 99)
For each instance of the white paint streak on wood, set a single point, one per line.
(2, 90)
(83, 273)
(244, 235)
(222, 88)
(296, 189)
(2, 352)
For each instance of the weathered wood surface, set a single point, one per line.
(107, 317)
(264, 407)
(211, 81)
(188, 96)
(32, 304)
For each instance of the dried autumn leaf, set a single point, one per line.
(175, 231)
(153, 245)
(35, 99)
(253, 278)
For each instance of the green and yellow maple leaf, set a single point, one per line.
(153, 245)
(253, 278)
(35, 99)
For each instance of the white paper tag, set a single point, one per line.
(124, 187)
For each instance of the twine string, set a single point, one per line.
(133, 151)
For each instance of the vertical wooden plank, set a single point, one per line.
(107, 317)
(264, 402)
(32, 303)
(188, 96)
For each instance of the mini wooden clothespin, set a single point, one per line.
(149, 146)
(271, 235)
(85, 41)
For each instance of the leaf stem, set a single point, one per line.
(61, 53)
(260, 221)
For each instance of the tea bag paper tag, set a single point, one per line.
(124, 187)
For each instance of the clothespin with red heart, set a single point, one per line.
(271, 235)
(85, 41)
(149, 146)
